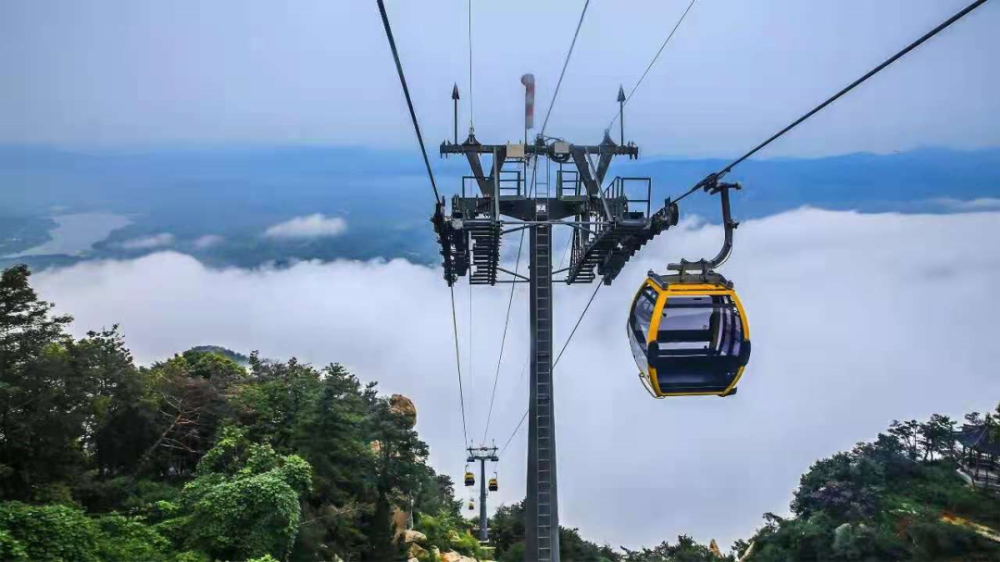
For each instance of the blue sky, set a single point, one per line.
(125, 73)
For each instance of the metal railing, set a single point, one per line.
(617, 194)
(568, 183)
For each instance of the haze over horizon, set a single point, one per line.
(122, 74)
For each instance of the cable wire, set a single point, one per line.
(534, 179)
(571, 334)
(711, 178)
(857, 83)
(458, 364)
(471, 378)
(503, 341)
(511, 438)
(556, 362)
(565, 64)
(472, 106)
(652, 62)
(510, 302)
(409, 102)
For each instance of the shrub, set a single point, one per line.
(11, 549)
(127, 539)
(49, 533)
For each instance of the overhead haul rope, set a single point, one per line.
(534, 179)
(503, 340)
(509, 439)
(471, 126)
(510, 303)
(838, 95)
(652, 62)
(437, 199)
(565, 64)
(556, 362)
(472, 107)
(458, 366)
(409, 102)
(472, 385)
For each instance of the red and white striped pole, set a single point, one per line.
(529, 103)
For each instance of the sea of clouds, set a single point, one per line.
(856, 320)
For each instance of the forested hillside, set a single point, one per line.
(899, 497)
(213, 456)
(195, 458)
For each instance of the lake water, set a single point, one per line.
(76, 233)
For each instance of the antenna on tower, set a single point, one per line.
(454, 97)
(621, 113)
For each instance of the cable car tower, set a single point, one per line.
(610, 222)
(482, 455)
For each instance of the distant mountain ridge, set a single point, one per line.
(235, 194)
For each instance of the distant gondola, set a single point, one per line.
(470, 479)
(493, 486)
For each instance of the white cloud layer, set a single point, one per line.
(161, 240)
(979, 204)
(856, 320)
(207, 241)
(316, 225)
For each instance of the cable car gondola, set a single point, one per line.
(470, 479)
(472, 505)
(688, 330)
(493, 487)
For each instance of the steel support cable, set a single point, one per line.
(503, 342)
(472, 107)
(556, 362)
(511, 438)
(578, 321)
(472, 387)
(406, 93)
(534, 178)
(555, 94)
(458, 366)
(655, 57)
(510, 303)
(838, 95)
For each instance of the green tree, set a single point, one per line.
(936, 436)
(244, 500)
(908, 434)
(507, 527)
(188, 405)
(120, 426)
(843, 487)
(399, 454)
(49, 533)
(322, 416)
(43, 400)
(686, 550)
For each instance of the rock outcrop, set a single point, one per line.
(399, 404)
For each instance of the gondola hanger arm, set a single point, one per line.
(713, 186)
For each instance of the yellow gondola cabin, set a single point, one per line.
(689, 335)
